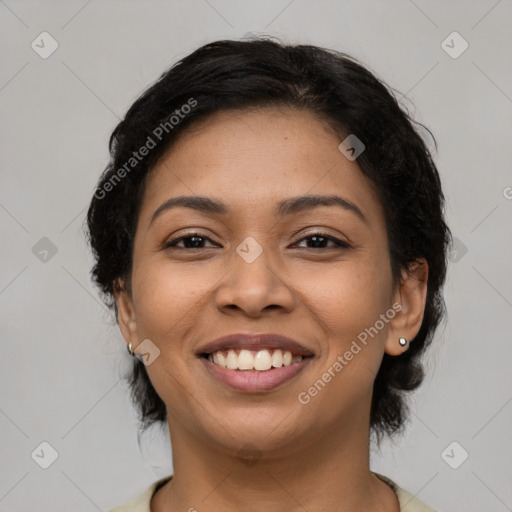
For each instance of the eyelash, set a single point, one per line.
(340, 243)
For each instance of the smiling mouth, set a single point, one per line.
(253, 360)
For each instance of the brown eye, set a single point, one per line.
(319, 240)
(190, 241)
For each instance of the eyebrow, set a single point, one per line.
(286, 207)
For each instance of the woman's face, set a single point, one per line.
(312, 290)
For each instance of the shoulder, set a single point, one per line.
(141, 502)
(408, 502)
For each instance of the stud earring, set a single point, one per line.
(403, 342)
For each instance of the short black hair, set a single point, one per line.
(265, 72)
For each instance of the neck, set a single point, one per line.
(323, 472)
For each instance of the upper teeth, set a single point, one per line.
(262, 360)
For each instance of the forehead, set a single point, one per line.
(256, 157)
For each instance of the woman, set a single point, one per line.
(270, 235)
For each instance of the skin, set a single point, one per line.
(309, 457)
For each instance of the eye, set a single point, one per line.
(319, 240)
(197, 241)
(190, 241)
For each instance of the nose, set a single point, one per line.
(253, 287)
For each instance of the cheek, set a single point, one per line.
(345, 302)
(168, 303)
(167, 298)
(348, 297)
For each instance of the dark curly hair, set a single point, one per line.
(260, 72)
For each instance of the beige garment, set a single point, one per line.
(408, 503)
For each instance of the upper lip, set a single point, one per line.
(255, 342)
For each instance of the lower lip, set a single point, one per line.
(255, 380)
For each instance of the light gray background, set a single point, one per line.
(62, 361)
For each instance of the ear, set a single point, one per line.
(411, 294)
(126, 312)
